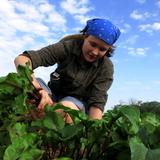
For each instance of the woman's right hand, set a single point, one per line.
(38, 113)
(45, 100)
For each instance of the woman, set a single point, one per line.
(84, 73)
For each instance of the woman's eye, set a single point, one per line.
(93, 44)
(102, 49)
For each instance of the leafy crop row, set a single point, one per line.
(123, 134)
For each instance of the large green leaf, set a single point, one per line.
(133, 115)
(150, 121)
(54, 119)
(11, 153)
(19, 104)
(10, 86)
(70, 131)
(138, 149)
(14, 152)
(22, 143)
(25, 71)
(31, 154)
(75, 114)
(153, 154)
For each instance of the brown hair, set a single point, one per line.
(109, 53)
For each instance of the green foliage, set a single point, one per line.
(124, 133)
(153, 107)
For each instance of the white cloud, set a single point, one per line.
(158, 4)
(156, 26)
(137, 51)
(27, 11)
(76, 6)
(18, 18)
(136, 15)
(79, 9)
(27, 24)
(126, 27)
(140, 16)
(157, 82)
(150, 27)
(130, 41)
(30, 18)
(82, 18)
(52, 16)
(33, 24)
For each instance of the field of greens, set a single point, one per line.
(128, 132)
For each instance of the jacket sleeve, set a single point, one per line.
(98, 90)
(47, 56)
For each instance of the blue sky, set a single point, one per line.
(31, 24)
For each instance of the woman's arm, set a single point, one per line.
(98, 91)
(22, 60)
(45, 98)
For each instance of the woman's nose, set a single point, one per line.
(95, 51)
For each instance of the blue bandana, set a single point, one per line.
(103, 29)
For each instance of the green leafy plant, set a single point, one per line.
(123, 133)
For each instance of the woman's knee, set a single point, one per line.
(69, 104)
(65, 115)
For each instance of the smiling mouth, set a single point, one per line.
(92, 56)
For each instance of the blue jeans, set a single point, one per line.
(74, 100)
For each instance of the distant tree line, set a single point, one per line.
(153, 106)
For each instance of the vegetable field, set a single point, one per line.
(124, 133)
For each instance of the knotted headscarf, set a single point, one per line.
(102, 29)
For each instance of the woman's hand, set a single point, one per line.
(38, 113)
(95, 113)
(45, 99)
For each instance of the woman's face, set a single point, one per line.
(94, 48)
